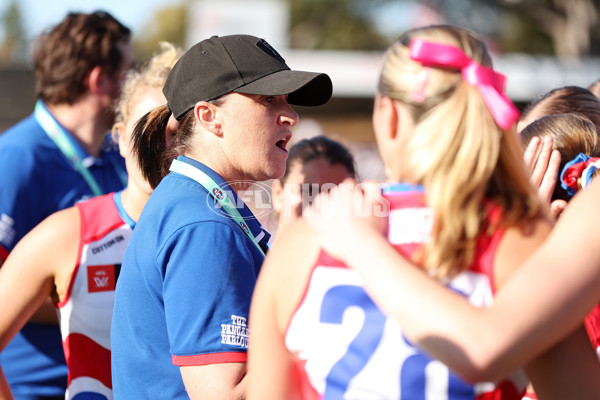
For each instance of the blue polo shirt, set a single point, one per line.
(183, 295)
(37, 180)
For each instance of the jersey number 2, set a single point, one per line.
(335, 302)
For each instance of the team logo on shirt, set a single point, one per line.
(217, 193)
(235, 333)
(102, 278)
(244, 227)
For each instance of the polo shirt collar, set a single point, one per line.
(261, 235)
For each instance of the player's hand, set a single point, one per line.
(544, 164)
(346, 213)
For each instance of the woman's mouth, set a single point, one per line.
(282, 143)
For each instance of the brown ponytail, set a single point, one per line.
(149, 143)
(154, 155)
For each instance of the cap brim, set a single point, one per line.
(303, 88)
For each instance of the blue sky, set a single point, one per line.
(39, 14)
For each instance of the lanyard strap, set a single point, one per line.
(215, 191)
(60, 138)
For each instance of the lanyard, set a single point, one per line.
(215, 191)
(60, 138)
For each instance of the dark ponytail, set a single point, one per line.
(149, 143)
(154, 155)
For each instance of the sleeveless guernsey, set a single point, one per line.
(86, 312)
(348, 348)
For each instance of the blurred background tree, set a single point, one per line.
(333, 25)
(564, 28)
(13, 46)
(168, 24)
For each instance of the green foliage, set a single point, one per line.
(168, 24)
(565, 28)
(14, 45)
(333, 24)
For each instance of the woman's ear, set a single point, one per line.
(385, 117)
(171, 130)
(208, 116)
(118, 136)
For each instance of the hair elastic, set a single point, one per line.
(578, 173)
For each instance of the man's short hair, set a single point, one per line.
(64, 55)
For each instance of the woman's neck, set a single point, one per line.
(134, 199)
(225, 170)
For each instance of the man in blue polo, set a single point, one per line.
(60, 155)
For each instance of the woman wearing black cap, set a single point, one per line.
(183, 296)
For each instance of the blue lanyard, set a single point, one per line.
(60, 138)
(217, 193)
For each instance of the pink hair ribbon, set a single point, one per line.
(577, 173)
(489, 82)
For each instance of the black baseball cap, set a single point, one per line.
(243, 64)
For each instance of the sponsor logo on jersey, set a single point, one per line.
(102, 278)
(411, 225)
(108, 244)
